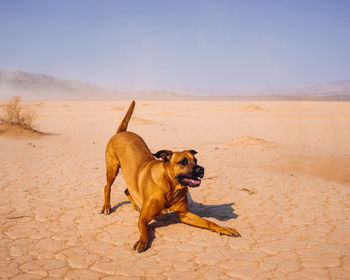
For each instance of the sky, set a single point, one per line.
(196, 46)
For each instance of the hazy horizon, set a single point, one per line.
(185, 46)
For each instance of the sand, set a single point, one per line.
(278, 174)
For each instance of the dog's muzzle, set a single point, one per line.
(193, 179)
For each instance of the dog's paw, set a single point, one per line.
(106, 209)
(228, 231)
(141, 245)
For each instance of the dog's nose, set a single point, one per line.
(199, 170)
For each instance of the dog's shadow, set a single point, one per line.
(115, 207)
(221, 212)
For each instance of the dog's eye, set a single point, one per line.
(183, 161)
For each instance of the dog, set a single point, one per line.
(156, 183)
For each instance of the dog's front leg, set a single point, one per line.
(148, 212)
(196, 221)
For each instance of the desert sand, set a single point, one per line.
(278, 172)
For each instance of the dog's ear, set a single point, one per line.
(193, 152)
(165, 155)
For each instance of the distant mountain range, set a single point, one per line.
(42, 87)
(333, 91)
(38, 86)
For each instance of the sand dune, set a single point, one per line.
(16, 131)
(280, 176)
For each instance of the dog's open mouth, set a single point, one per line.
(188, 181)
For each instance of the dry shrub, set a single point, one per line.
(14, 114)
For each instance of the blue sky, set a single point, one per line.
(191, 46)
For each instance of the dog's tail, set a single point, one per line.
(124, 124)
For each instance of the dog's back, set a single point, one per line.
(126, 144)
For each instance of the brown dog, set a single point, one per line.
(155, 187)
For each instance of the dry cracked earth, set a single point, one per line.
(293, 226)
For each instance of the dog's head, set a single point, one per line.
(183, 165)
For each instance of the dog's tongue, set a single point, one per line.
(192, 182)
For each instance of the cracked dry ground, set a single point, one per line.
(292, 227)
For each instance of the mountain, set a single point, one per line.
(330, 91)
(335, 91)
(38, 86)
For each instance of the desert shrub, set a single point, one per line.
(16, 114)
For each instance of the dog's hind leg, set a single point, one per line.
(131, 200)
(112, 167)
